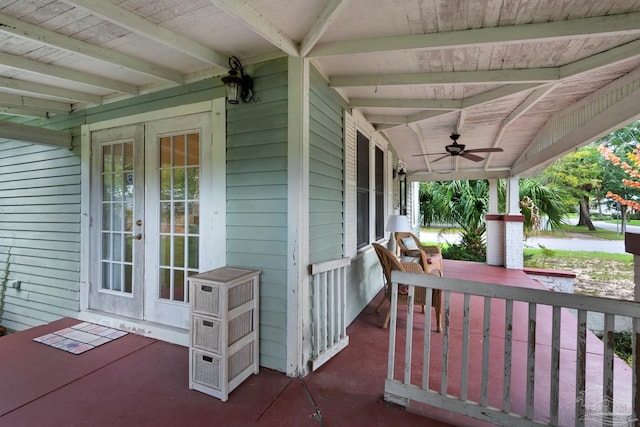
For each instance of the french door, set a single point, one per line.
(146, 229)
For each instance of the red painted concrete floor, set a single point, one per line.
(138, 381)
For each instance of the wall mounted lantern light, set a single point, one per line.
(401, 173)
(237, 87)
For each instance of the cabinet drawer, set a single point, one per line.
(206, 298)
(206, 369)
(206, 334)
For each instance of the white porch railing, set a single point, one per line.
(328, 310)
(567, 376)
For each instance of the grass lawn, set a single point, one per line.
(597, 273)
(567, 230)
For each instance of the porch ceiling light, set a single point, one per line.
(237, 87)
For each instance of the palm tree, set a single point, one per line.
(465, 204)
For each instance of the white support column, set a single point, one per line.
(298, 305)
(495, 227)
(513, 227)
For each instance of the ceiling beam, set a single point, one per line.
(29, 103)
(481, 98)
(622, 24)
(321, 24)
(20, 63)
(604, 59)
(470, 174)
(259, 24)
(146, 28)
(34, 135)
(497, 93)
(386, 119)
(423, 144)
(530, 75)
(531, 100)
(42, 89)
(427, 104)
(11, 111)
(38, 34)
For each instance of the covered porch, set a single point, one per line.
(45, 386)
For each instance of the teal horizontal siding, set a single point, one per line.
(40, 227)
(325, 171)
(257, 201)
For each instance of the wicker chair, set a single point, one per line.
(430, 255)
(389, 262)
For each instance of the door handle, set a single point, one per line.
(137, 236)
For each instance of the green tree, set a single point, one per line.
(580, 174)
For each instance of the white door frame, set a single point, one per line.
(213, 217)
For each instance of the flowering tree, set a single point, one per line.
(623, 183)
(631, 169)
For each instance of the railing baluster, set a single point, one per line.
(531, 361)
(635, 398)
(324, 311)
(426, 350)
(508, 342)
(316, 314)
(444, 376)
(581, 366)
(392, 331)
(555, 366)
(408, 344)
(607, 369)
(486, 350)
(331, 308)
(464, 381)
(343, 302)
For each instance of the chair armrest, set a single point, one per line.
(431, 249)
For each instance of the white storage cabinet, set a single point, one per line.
(223, 349)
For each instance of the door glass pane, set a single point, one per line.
(179, 213)
(165, 283)
(178, 285)
(178, 184)
(193, 217)
(165, 152)
(193, 149)
(117, 217)
(178, 217)
(193, 184)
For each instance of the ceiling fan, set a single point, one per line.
(456, 149)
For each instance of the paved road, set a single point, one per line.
(565, 243)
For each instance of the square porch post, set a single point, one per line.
(495, 227)
(513, 227)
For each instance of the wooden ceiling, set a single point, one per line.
(495, 71)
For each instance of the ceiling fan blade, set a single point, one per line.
(484, 150)
(472, 157)
(427, 154)
(440, 158)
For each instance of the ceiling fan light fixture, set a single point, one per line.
(454, 149)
